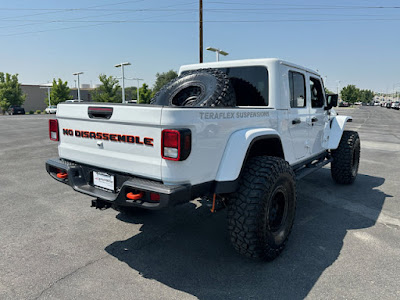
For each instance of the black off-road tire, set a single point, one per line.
(346, 158)
(246, 93)
(261, 212)
(208, 87)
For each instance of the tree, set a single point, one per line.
(10, 91)
(366, 96)
(162, 79)
(108, 91)
(350, 93)
(145, 94)
(327, 91)
(59, 92)
(130, 93)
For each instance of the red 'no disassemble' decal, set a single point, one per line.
(124, 138)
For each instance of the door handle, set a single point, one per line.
(314, 119)
(296, 121)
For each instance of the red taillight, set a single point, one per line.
(170, 144)
(154, 197)
(53, 129)
(171, 138)
(176, 144)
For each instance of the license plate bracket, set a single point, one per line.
(104, 180)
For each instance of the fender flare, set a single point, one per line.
(236, 149)
(334, 130)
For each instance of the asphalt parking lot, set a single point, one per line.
(345, 243)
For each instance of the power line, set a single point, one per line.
(295, 7)
(99, 23)
(37, 22)
(212, 21)
(178, 11)
(66, 10)
(84, 19)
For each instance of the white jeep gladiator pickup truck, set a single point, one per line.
(236, 132)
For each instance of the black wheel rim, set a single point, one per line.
(187, 96)
(277, 210)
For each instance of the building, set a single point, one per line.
(37, 98)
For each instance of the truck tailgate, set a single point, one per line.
(128, 141)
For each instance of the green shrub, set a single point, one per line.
(31, 112)
(38, 112)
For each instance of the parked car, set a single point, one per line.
(15, 110)
(343, 104)
(52, 109)
(396, 105)
(389, 104)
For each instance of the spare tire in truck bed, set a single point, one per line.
(246, 93)
(208, 87)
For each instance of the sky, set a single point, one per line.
(348, 42)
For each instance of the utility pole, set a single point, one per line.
(79, 91)
(123, 78)
(201, 30)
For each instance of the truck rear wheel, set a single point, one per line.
(261, 212)
(207, 87)
(346, 158)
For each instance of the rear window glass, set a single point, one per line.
(244, 79)
(250, 84)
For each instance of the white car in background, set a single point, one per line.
(52, 109)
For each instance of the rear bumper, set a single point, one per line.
(80, 179)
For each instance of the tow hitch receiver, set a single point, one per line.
(100, 204)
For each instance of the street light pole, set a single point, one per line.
(217, 51)
(338, 84)
(123, 78)
(79, 91)
(138, 79)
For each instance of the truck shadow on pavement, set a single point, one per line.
(188, 249)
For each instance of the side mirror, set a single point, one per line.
(331, 101)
